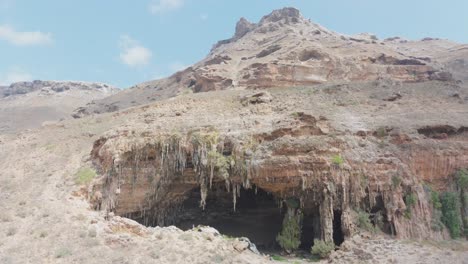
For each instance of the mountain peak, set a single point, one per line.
(243, 27)
(288, 14)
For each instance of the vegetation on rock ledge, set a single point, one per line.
(85, 175)
(363, 221)
(322, 248)
(451, 213)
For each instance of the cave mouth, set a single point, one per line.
(257, 215)
(338, 236)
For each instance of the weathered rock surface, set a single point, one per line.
(288, 145)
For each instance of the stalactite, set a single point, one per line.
(326, 216)
(204, 193)
(234, 196)
(165, 157)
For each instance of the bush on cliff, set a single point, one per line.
(322, 248)
(337, 160)
(410, 200)
(451, 213)
(85, 175)
(290, 237)
(462, 179)
(462, 182)
(364, 222)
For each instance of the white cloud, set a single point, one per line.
(14, 75)
(161, 6)
(132, 53)
(25, 38)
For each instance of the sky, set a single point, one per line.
(123, 42)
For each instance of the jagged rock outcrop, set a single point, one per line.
(286, 50)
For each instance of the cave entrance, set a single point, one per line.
(257, 215)
(378, 216)
(338, 236)
(310, 228)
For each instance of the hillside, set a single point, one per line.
(27, 105)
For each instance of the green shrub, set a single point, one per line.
(435, 200)
(381, 132)
(85, 175)
(451, 213)
(363, 221)
(410, 200)
(462, 179)
(290, 236)
(337, 160)
(396, 181)
(322, 248)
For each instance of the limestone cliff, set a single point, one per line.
(337, 149)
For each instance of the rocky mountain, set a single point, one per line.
(287, 136)
(286, 50)
(25, 105)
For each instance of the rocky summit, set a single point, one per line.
(288, 142)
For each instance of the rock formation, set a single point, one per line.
(338, 150)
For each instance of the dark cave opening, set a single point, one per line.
(378, 216)
(310, 229)
(258, 215)
(338, 236)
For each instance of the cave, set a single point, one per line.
(338, 236)
(257, 215)
(378, 216)
(310, 228)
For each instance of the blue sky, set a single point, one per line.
(125, 42)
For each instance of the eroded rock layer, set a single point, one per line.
(297, 144)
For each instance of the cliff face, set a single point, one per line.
(337, 150)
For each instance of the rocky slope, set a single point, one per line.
(286, 50)
(26, 105)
